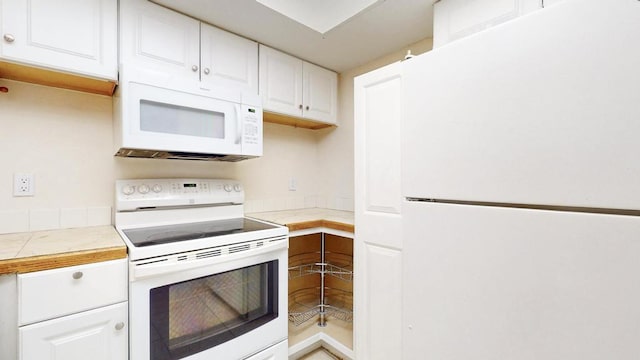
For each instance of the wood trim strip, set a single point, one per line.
(293, 121)
(321, 223)
(47, 262)
(62, 80)
(338, 226)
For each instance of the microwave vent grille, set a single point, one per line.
(175, 155)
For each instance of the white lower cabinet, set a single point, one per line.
(75, 312)
(100, 334)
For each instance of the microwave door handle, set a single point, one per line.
(238, 124)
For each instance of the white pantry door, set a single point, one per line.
(378, 226)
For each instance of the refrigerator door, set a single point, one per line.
(544, 109)
(489, 283)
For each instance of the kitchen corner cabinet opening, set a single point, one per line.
(320, 291)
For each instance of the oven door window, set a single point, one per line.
(198, 314)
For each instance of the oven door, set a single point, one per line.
(220, 307)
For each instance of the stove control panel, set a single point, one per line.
(148, 193)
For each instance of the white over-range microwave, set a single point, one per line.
(158, 118)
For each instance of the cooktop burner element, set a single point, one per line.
(156, 235)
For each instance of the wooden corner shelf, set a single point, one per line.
(275, 118)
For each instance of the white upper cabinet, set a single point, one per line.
(74, 36)
(157, 38)
(280, 82)
(297, 88)
(228, 59)
(455, 19)
(183, 50)
(319, 93)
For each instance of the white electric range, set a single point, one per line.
(205, 281)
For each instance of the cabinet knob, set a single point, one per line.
(300, 106)
(307, 108)
(77, 275)
(206, 71)
(120, 326)
(194, 68)
(9, 38)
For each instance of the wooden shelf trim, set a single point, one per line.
(62, 80)
(47, 262)
(321, 223)
(275, 118)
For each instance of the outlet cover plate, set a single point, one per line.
(23, 184)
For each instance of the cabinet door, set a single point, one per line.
(280, 82)
(156, 38)
(228, 60)
(100, 334)
(378, 199)
(279, 351)
(320, 93)
(455, 19)
(76, 36)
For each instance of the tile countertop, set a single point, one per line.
(43, 250)
(301, 219)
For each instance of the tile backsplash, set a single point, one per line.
(298, 202)
(12, 221)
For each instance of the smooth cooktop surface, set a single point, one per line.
(165, 234)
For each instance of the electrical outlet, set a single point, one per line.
(293, 184)
(23, 184)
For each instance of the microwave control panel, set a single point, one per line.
(252, 130)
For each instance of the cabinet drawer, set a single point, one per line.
(47, 294)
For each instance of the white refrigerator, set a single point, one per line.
(521, 190)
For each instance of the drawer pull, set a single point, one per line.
(120, 326)
(77, 275)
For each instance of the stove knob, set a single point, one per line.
(227, 188)
(143, 189)
(128, 189)
(237, 187)
(157, 188)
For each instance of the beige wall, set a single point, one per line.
(65, 139)
(335, 146)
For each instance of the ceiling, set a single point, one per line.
(384, 27)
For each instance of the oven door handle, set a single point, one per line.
(141, 270)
